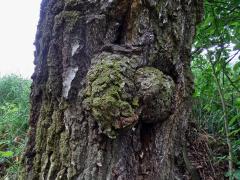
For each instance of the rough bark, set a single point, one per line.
(78, 44)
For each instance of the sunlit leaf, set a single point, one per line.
(6, 154)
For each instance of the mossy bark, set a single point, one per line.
(111, 89)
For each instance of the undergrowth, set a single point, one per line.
(14, 110)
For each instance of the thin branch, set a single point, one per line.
(231, 58)
(226, 125)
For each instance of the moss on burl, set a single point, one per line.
(109, 92)
(155, 91)
(118, 93)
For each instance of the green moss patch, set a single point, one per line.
(109, 92)
(118, 93)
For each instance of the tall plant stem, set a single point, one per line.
(221, 94)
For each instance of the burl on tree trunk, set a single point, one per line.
(111, 89)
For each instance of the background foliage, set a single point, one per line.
(216, 67)
(14, 110)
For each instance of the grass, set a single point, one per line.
(14, 110)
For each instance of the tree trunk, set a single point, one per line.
(111, 89)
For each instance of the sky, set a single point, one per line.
(18, 23)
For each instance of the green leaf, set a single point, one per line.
(234, 119)
(236, 66)
(238, 103)
(235, 132)
(6, 154)
(236, 174)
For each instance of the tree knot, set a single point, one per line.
(119, 93)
